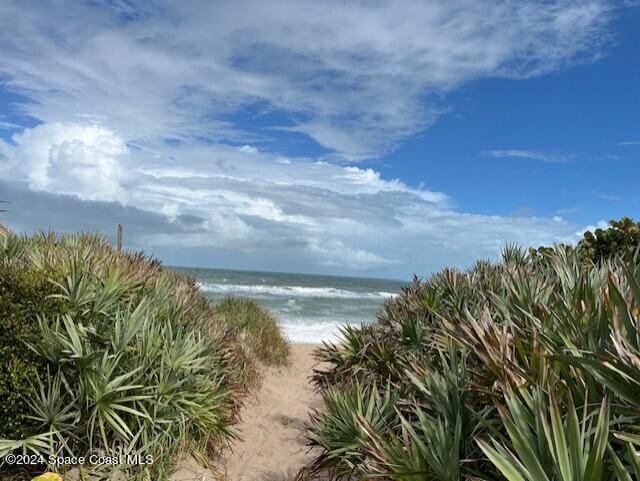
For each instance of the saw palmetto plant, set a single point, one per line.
(345, 425)
(550, 440)
(110, 353)
(550, 345)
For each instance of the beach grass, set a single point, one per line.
(256, 328)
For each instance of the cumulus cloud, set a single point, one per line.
(173, 121)
(249, 204)
(84, 160)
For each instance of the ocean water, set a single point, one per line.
(310, 307)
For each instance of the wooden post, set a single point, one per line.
(119, 237)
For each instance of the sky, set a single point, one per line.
(379, 138)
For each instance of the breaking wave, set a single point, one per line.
(291, 291)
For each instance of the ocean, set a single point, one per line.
(310, 307)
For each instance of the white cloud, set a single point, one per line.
(356, 77)
(153, 107)
(215, 197)
(599, 225)
(610, 197)
(629, 142)
(84, 160)
(529, 154)
(334, 253)
(248, 149)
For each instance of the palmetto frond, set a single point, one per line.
(137, 358)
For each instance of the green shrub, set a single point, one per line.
(22, 299)
(525, 369)
(345, 424)
(601, 244)
(607, 243)
(109, 352)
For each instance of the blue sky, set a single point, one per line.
(584, 119)
(382, 139)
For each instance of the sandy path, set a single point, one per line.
(272, 446)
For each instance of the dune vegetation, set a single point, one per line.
(108, 352)
(256, 327)
(527, 369)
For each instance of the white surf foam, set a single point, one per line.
(291, 291)
(301, 332)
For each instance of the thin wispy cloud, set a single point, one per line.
(610, 197)
(179, 116)
(529, 154)
(630, 142)
(343, 74)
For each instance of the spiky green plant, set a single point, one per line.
(549, 440)
(432, 440)
(129, 357)
(535, 320)
(343, 428)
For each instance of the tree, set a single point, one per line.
(606, 243)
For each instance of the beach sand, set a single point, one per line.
(272, 444)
